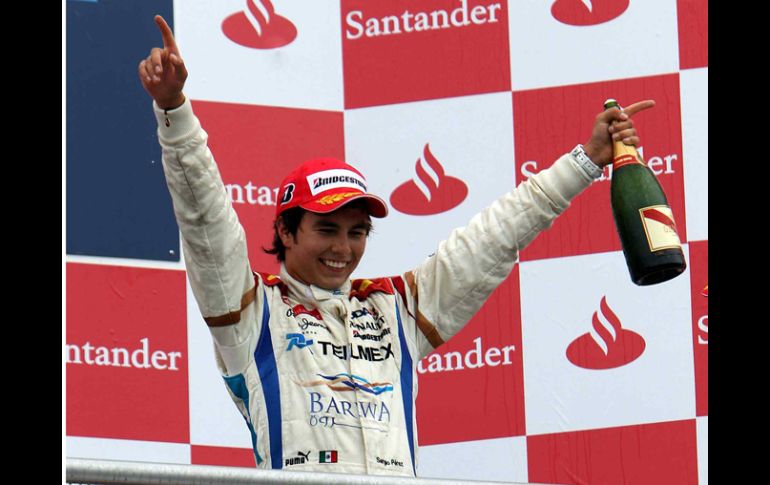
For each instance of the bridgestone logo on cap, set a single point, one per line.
(288, 194)
(335, 179)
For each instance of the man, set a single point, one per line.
(322, 368)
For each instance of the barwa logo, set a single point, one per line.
(349, 382)
(587, 12)
(431, 191)
(608, 345)
(259, 27)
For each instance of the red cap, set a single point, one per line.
(323, 185)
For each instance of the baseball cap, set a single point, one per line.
(323, 185)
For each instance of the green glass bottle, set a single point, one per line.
(643, 218)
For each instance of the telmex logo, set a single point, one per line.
(432, 192)
(587, 12)
(259, 27)
(608, 345)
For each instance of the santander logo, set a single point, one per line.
(431, 192)
(259, 27)
(608, 345)
(587, 12)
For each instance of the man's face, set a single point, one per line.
(327, 247)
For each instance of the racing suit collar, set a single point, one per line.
(310, 293)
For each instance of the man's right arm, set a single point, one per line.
(213, 239)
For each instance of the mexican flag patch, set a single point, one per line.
(327, 457)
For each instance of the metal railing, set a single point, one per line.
(82, 471)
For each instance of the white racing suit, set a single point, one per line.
(326, 380)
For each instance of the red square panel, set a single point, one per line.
(472, 387)
(221, 456)
(699, 275)
(255, 148)
(550, 122)
(400, 51)
(693, 20)
(127, 353)
(660, 454)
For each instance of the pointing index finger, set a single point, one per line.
(636, 107)
(168, 35)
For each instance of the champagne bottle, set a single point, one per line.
(643, 217)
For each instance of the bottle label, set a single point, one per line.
(659, 225)
(624, 160)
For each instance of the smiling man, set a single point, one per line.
(322, 368)
(323, 220)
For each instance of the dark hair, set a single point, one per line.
(290, 219)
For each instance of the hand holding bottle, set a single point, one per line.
(612, 125)
(643, 216)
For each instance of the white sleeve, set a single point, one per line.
(454, 283)
(213, 239)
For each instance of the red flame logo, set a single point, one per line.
(587, 12)
(259, 27)
(705, 291)
(609, 345)
(432, 192)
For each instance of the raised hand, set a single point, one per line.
(613, 125)
(163, 72)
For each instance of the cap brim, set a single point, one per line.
(376, 206)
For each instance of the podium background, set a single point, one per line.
(489, 104)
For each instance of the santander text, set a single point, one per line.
(472, 359)
(252, 195)
(703, 326)
(140, 358)
(408, 22)
(659, 165)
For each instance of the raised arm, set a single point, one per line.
(213, 239)
(452, 285)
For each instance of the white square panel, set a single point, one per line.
(694, 86)
(305, 73)
(503, 459)
(568, 387)
(640, 40)
(470, 137)
(214, 418)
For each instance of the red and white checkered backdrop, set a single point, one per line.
(489, 92)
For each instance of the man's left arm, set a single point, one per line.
(452, 285)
